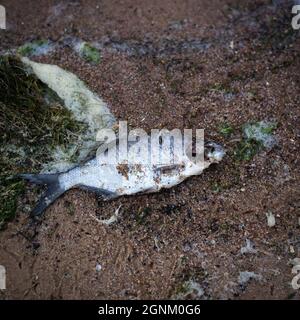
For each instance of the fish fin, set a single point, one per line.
(40, 179)
(53, 191)
(105, 194)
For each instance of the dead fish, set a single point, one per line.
(112, 180)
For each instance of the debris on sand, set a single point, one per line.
(36, 48)
(189, 290)
(98, 267)
(85, 106)
(261, 132)
(270, 219)
(88, 52)
(114, 218)
(226, 129)
(247, 149)
(246, 276)
(249, 248)
(85, 50)
(75, 94)
(257, 136)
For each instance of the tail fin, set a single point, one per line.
(53, 191)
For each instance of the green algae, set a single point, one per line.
(261, 132)
(257, 136)
(33, 123)
(225, 129)
(34, 48)
(89, 53)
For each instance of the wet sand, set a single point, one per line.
(170, 64)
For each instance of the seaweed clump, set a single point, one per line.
(35, 48)
(257, 136)
(89, 53)
(33, 123)
(226, 129)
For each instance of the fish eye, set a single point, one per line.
(208, 150)
(213, 152)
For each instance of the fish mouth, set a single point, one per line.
(213, 152)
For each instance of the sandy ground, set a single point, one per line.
(173, 64)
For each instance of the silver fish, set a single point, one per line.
(109, 178)
(112, 180)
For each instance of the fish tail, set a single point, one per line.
(54, 190)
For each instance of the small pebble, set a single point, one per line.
(271, 219)
(98, 267)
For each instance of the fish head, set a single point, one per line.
(213, 152)
(196, 163)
